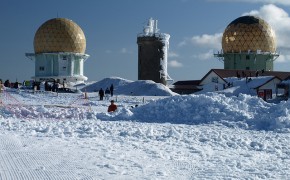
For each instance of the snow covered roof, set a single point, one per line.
(254, 83)
(225, 73)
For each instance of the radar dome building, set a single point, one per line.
(152, 54)
(248, 43)
(59, 52)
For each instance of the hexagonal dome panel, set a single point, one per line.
(59, 35)
(248, 33)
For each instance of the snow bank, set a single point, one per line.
(243, 111)
(145, 88)
(106, 83)
(127, 87)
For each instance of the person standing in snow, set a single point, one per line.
(16, 85)
(112, 107)
(107, 93)
(112, 90)
(257, 73)
(7, 83)
(1, 86)
(101, 94)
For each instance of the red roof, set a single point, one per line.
(225, 73)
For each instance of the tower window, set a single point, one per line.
(41, 68)
(247, 57)
(64, 58)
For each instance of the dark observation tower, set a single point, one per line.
(152, 54)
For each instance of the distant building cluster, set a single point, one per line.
(248, 50)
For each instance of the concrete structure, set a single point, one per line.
(248, 43)
(152, 54)
(59, 52)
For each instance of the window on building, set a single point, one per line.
(247, 68)
(247, 57)
(64, 58)
(215, 79)
(41, 68)
(63, 68)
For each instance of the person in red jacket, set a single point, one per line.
(112, 107)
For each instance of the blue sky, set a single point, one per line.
(111, 28)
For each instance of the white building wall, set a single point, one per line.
(55, 66)
(81, 67)
(271, 85)
(211, 77)
(63, 65)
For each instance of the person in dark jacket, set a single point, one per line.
(16, 85)
(112, 90)
(1, 87)
(112, 107)
(101, 94)
(7, 83)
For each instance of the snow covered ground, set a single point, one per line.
(204, 136)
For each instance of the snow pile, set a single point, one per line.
(145, 88)
(132, 88)
(45, 112)
(243, 111)
(106, 83)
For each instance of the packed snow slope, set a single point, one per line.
(204, 136)
(128, 87)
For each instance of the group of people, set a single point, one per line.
(107, 92)
(10, 85)
(245, 75)
(51, 86)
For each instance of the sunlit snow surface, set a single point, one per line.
(206, 136)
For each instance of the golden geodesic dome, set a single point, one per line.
(248, 33)
(59, 35)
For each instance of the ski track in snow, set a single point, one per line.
(45, 136)
(17, 161)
